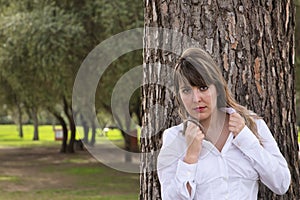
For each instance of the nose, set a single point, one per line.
(197, 95)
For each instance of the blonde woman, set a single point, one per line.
(221, 150)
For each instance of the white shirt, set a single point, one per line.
(231, 174)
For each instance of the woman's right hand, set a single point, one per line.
(194, 137)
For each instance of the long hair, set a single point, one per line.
(196, 67)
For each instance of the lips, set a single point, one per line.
(200, 108)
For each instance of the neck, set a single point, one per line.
(213, 126)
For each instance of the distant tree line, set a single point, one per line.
(43, 44)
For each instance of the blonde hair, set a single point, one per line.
(196, 67)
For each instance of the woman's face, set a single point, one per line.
(199, 102)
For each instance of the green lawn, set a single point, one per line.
(9, 136)
(77, 177)
(57, 176)
(36, 169)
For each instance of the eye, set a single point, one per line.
(186, 90)
(203, 88)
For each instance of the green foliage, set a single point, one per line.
(45, 41)
(36, 46)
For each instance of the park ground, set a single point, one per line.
(36, 170)
(43, 173)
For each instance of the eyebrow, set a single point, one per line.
(185, 85)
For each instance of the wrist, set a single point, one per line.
(190, 159)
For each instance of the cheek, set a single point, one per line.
(185, 100)
(210, 97)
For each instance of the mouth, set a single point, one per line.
(200, 108)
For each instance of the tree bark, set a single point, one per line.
(86, 129)
(69, 114)
(93, 137)
(253, 43)
(127, 156)
(35, 124)
(65, 131)
(20, 121)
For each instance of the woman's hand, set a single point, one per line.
(236, 123)
(194, 137)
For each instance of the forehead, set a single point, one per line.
(183, 82)
(192, 79)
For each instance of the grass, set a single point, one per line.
(90, 183)
(9, 136)
(9, 178)
(46, 195)
(77, 177)
(96, 183)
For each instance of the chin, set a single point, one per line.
(199, 117)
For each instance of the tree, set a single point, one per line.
(102, 20)
(37, 59)
(255, 52)
(52, 50)
(297, 61)
(12, 102)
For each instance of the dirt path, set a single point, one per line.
(31, 170)
(22, 169)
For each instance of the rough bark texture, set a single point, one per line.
(20, 121)
(35, 124)
(253, 42)
(63, 124)
(70, 115)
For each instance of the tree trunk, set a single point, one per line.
(72, 135)
(86, 129)
(127, 156)
(35, 124)
(20, 121)
(65, 132)
(69, 114)
(93, 138)
(256, 54)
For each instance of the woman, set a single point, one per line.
(221, 150)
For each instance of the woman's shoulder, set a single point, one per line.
(260, 122)
(263, 130)
(173, 132)
(174, 129)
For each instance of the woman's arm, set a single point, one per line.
(266, 158)
(176, 176)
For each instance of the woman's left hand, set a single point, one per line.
(236, 123)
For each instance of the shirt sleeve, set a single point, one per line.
(266, 157)
(173, 173)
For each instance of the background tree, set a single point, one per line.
(10, 101)
(111, 21)
(38, 60)
(256, 54)
(43, 45)
(297, 61)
